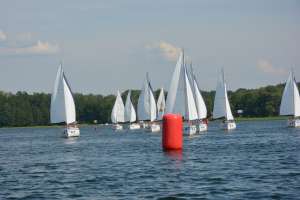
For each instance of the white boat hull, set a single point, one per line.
(153, 128)
(71, 132)
(144, 125)
(117, 127)
(190, 130)
(134, 126)
(295, 123)
(229, 125)
(202, 127)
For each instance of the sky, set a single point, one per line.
(110, 45)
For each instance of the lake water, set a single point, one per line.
(258, 160)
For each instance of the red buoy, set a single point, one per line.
(172, 132)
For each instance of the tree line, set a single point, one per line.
(23, 109)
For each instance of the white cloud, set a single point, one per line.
(167, 50)
(267, 67)
(40, 48)
(3, 36)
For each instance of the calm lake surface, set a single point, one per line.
(258, 160)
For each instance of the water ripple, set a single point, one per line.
(259, 160)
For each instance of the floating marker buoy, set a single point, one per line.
(172, 132)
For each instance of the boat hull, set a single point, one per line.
(71, 132)
(202, 127)
(153, 128)
(189, 130)
(294, 123)
(134, 126)
(229, 126)
(117, 127)
(144, 125)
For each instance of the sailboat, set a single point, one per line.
(117, 114)
(161, 104)
(222, 106)
(290, 102)
(130, 115)
(146, 108)
(200, 104)
(180, 99)
(62, 108)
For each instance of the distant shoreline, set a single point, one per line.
(49, 126)
(238, 119)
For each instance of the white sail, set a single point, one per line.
(290, 101)
(229, 115)
(200, 104)
(190, 110)
(176, 94)
(152, 102)
(62, 103)
(143, 106)
(146, 103)
(221, 102)
(117, 114)
(161, 104)
(130, 115)
(180, 97)
(297, 100)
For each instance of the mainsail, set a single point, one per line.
(200, 104)
(190, 110)
(176, 97)
(180, 97)
(199, 101)
(117, 114)
(161, 104)
(130, 115)
(62, 103)
(290, 101)
(146, 103)
(221, 102)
